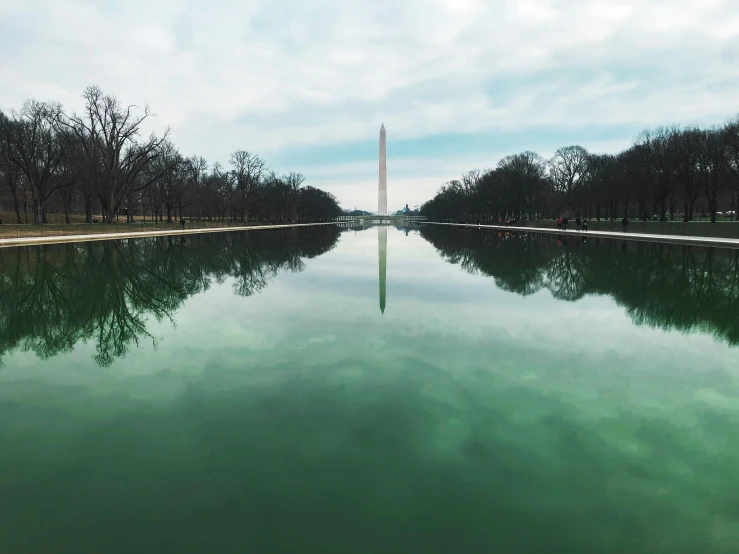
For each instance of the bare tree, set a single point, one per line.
(197, 171)
(687, 143)
(523, 178)
(471, 179)
(68, 173)
(10, 174)
(109, 134)
(168, 171)
(663, 160)
(713, 165)
(30, 141)
(315, 204)
(568, 169)
(292, 181)
(732, 153)
(247, 173)
(219, 190)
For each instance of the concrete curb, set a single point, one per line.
(29, 241)
(644, 237)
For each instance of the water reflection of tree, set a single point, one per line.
(667, 286)
(52, 297)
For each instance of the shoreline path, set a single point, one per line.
(58, 239)
(645, 237)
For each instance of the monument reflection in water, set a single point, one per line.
(382, 258)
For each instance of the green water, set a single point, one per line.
(245, 392)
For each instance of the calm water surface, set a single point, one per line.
(440, 391)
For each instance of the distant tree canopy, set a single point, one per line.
(667, 172)
(99, 160)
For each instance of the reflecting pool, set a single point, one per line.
(327, 390)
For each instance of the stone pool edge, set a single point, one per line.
(59, 239)
(644, 237)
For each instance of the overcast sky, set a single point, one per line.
(458, 83)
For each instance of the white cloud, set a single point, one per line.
(274, 75)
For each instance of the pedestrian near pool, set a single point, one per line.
(625, 223)
(559, 222)
(182, 221)
(578, 222)
(564, 223)
(584, 224)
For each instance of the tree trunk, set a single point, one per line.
(36, 205)
(712, 195)
(109, 209)
(732, 206)
(17, 207)
(686, 208)
(673, 204)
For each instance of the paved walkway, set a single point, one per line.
(27, 241)
(646, 237)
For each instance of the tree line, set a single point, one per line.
(54, 296)
(644, 278)
(99, 161)
(669, 172)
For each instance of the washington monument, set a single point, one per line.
(382, 188)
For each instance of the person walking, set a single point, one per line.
(578, 222)
(559, 222)
(564, 223)
(584, 224)
(625, 223)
